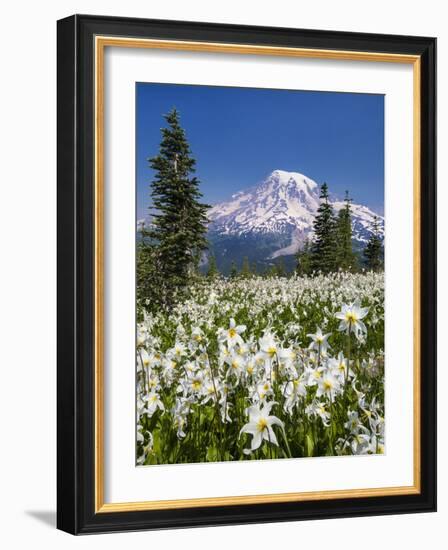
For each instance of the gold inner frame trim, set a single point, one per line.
(101, 42)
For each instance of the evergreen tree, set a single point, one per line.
(245, 270)
(212, 270)
(144, 264)
(374, 250)
(323, 250)
(253, 268)
(233, 271)
(179, 222)
(147, 270)
(280, 269)
(144, 270)
(303, 259)
(345, 259)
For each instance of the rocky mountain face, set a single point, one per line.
(272, 220)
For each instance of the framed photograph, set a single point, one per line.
(246, 274)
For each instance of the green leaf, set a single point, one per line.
(212, 454)
(309, 445)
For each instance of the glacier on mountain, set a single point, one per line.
(285, 203)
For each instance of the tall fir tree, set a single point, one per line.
(303, 259)
(212, 270)
(179, 220)
(147, 269)
(233, 270)
(346, 259)
(323, 249)
(373, 252)
(280, 269)
(245, 269)
(149, 276)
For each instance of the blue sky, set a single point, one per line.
(239, 135)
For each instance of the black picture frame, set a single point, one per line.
(76, 264)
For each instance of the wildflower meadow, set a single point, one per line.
(263, 368)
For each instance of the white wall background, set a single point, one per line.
(27, 270)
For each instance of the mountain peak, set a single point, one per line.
(284, 203)
(285, 177)
(281, 202)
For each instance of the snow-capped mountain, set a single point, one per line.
(283, 205)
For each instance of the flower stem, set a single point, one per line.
(287, 444)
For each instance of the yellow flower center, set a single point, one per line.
(232, 333)
(328, 385)
(272, 350)
(196, 384)
(351, 317)
(262, 424)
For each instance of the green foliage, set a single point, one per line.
(280, 270)
(270, 271)
(245, 270)
(374, 250)
(304, 259)
(345, 257)
(332, 247)
(179, 222)
(323, 249)
(148, 273)
(233, 271)
(212, 270)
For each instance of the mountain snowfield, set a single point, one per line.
(284, 204)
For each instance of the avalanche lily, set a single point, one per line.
(319, 341)
(260, 426)
(232, 334)
(351, 316)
